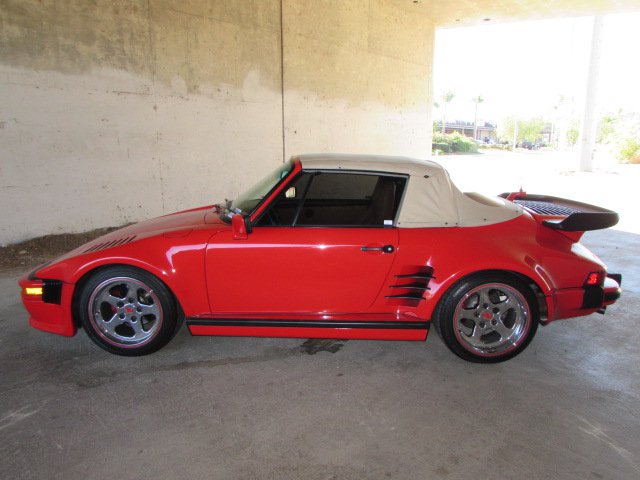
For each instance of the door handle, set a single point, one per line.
(384, 249)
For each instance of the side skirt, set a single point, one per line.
(291, 328)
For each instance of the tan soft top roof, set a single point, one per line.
(431, 199)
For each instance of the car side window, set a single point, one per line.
(322, 199)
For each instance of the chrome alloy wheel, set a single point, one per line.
(125, 312)
(491, 319)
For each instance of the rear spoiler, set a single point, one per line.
(579, 217)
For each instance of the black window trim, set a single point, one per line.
(227, 219)
(303, 198)
(314, 172)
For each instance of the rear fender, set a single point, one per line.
(537, 278)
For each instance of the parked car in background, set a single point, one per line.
(530, 145)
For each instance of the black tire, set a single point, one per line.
(143, 310)
(487, 317)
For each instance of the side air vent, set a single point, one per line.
(410, 287)
(111, 243)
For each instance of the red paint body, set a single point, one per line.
(319, 273)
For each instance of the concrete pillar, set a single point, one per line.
(589, 120)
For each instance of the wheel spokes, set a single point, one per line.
(504, 331)
(491, 318)
(485, 299)
(126, 311)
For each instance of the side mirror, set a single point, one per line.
(240, 227)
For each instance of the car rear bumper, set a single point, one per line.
(51, 310)
(581, 301)
(612, 288)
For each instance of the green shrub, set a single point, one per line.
(443, 147)
(453, 143)
(439, 137)
(629, 151)
(460, 143)
(495, 146)
(573, 134)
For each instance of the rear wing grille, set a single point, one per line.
(546, 208)
(578, 217)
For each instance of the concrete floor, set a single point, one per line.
(238, 408)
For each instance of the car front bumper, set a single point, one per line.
(51, 309)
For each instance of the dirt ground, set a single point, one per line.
(38, 250)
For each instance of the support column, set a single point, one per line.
(588, 128)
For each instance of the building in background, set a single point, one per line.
(486, 130)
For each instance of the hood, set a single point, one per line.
(174, 225)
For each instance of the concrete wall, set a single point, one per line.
(357, 78)
(112, 112)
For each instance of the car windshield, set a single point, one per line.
(249, 200)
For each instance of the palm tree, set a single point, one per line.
(477, 100)
(446, 98)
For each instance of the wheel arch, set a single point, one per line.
(88, 273)
(534, 286)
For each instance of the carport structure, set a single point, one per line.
(115, 111)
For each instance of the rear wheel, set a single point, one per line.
(127, 311)
(487, 318)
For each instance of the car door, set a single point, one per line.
(325, 245)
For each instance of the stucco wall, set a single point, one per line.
(112, 112)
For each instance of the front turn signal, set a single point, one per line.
(33, 291)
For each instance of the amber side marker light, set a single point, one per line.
(33, 290)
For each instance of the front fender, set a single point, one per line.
(178, 262)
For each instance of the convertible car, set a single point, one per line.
(336, 246)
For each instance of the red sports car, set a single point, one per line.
(350, 247)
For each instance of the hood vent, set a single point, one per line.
(410, 287)
(111, 243)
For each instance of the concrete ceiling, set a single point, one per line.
(458, 13)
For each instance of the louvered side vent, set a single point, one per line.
(411, 286)
(111, 243)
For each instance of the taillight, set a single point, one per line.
(595, 278)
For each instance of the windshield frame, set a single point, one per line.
(228, 210)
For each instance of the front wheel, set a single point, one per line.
(127, 311)
(487, 318)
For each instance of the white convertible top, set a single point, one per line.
(431, 199)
